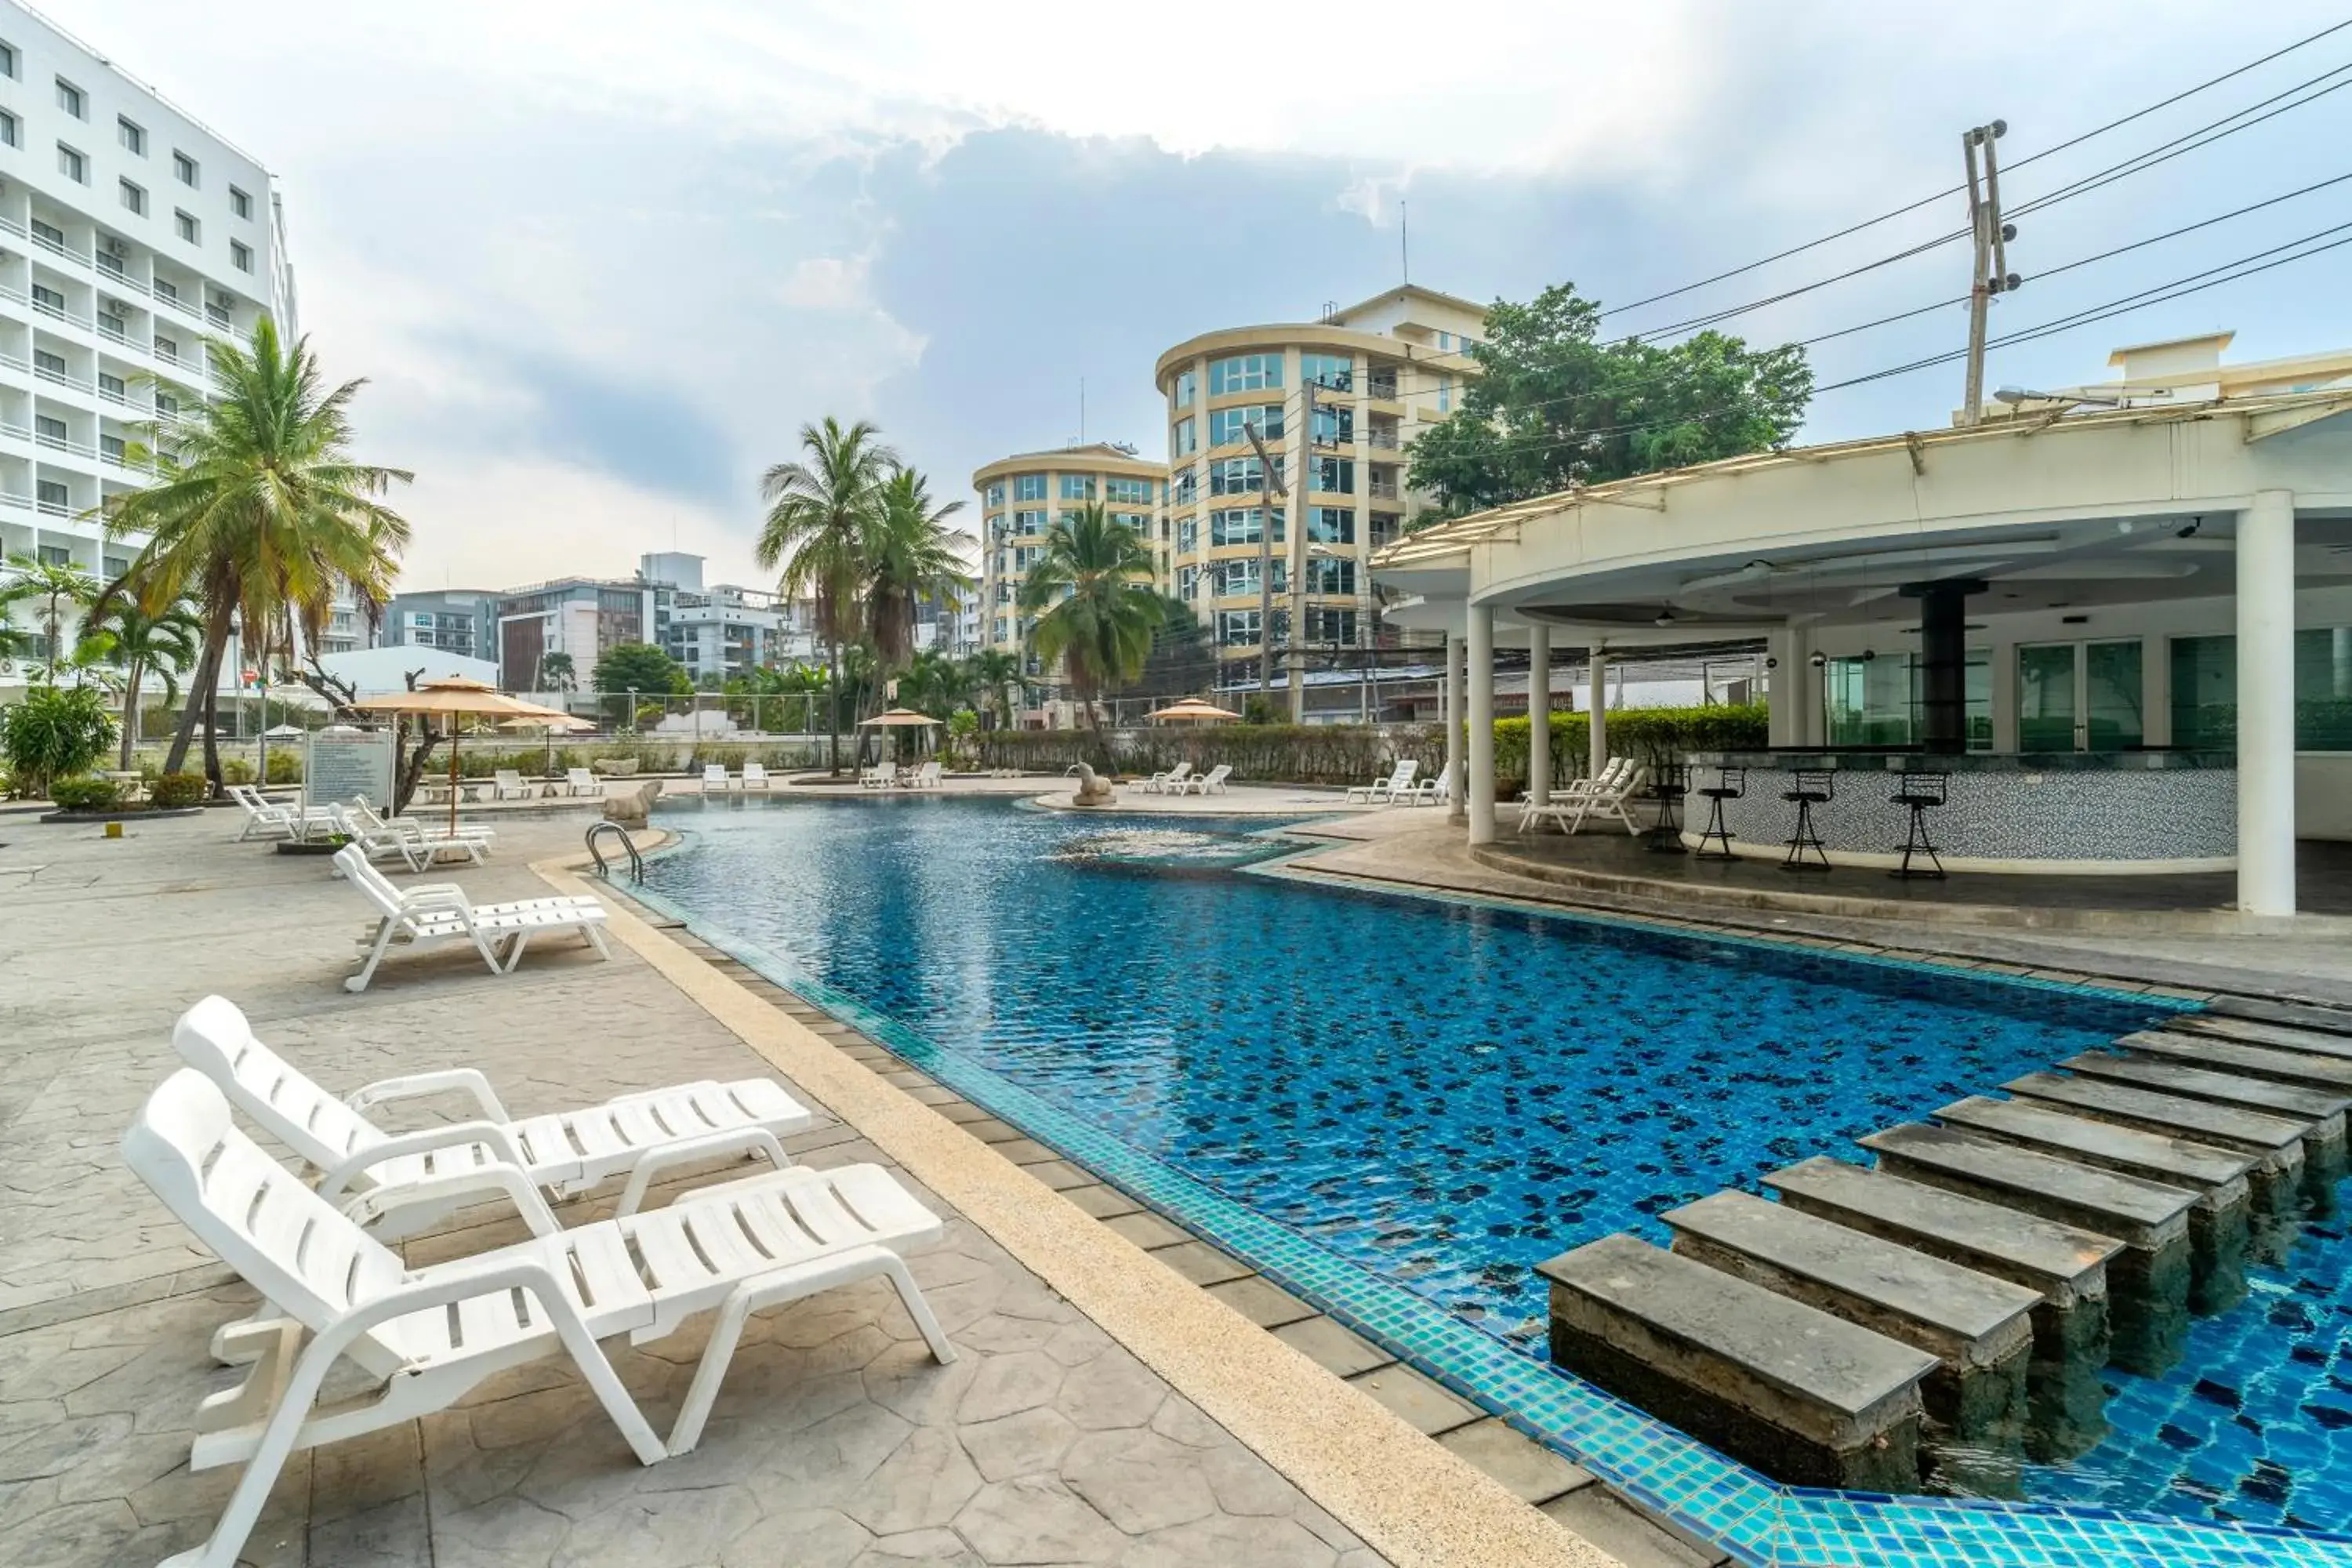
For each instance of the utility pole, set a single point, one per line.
(1989, 239)
(1270, 477)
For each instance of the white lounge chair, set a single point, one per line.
(1609, 799)
(400, 1182)
(755, 776)
(1168, 782)
(581, 781)
(430, 1335)
(506, 783)
(714, 778)
(925, 777)
(268, 818)
(1564, 799)
(881, 777)
(1435, 790)
(1211, 782)
(1391, 788)
(440, 911)
(413, 847)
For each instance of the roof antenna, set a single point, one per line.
(1404, 239)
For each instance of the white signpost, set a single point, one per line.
(341, 764)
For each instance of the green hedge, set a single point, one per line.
(1353, 753)
(84, 793)
(175, 791)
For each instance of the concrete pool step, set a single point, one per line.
(2148, 1281)
(2270, 1009)
(2216, 1055)
(2274, 1143)
(1979, 1328)
(1804, 1396)
(2261, 1031)
(2324, 1108)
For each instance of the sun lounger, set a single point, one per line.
(880, 778)
(379, 840)
(268, 818)
(1211, 782)
(1435, 790)
(399, 1182)
(1396, 784)
(925, 777)
(1168, 782)
(714, 778)
(440, 911)
(581, 781)
(506, 783)
(1609, 797)
(755, 776)
(1563, 801)
(428, 1336)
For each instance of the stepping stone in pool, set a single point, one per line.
(2257, 1032)
(2302, 1014)
(2150, 1278)
(2276, 1143)
(1801, 1396)
(1978, 1327)
(2218, 1178)
(2065, 1265)
(2218, 1055)
(2323, 1140)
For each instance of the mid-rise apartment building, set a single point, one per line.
(451, 620)
(720, 630)
(715, 631)
(1022, 497)
(1336, 405)
(129, 234)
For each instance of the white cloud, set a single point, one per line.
(491, 522)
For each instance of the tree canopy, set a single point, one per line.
(1095, 608)
(1555, 406)
(641, 668)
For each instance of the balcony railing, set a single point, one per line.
(115, 327)
(1384, 490)
(217, 315)
(46, 309)
(1381, 386)
(13, 363)
(1386, 440)
(10, 499)
(63, 444)
(53, 508)
(10, 226)
(8, 293)
(112, 395)
(60, 377)
(18, 431)
(168, 355)
(57, 248)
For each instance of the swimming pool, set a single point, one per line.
(1429, 1094)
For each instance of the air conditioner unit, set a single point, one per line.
(116, 248)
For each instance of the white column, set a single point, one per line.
(1596, 754)
(1452, 708)
(1482, 725)
(2266, 704)
(1539, 712)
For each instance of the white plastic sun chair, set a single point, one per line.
(1211, 782)
(714, 778)
(418, 829)
(506, 783)
(440, 911)
(1435, 790)
(268, 818)
(1386, 789)
(1564, 798)
(755, 776)
(1608, 799)
(925, 777)
(399, 1182)
(430, 1335)
(880, 776)
(580, 782)
(1168, 782)
(379, 840)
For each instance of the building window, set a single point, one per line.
(9, 135)
(1029, 486)
(241, 256)
(1029, 522)
(1243, 372)
(1325, 576)
(2205, 691)
(73, 165)
(1133, 491)
(1239, 476)
(187, 227)
(53, 299)
(1337, 475)
(1335, 372)
(183, 168)
(995, 495)
(1185, 488)
(1186, 383)
(240, 203)
(1329, 625)
(1236, 627)
(1188, 578)
(1331, 525)
(131, 134)
(1184, 439)
(1187, 536)
(1241, 524)
(1333, 427)
(70, 100)
(1138, 520)
(1227, 426)
(1077, 486)
(134, 197)
(1234, 579)
(8, 60)
(111, 388)
(169, 349)
(1444, 394)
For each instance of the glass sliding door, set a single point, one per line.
(2046, 706)
(2112, 695)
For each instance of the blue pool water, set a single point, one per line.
(1444, 1094)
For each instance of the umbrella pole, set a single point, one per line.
(453, 776)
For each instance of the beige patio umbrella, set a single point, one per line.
(453, 698)
(1191, 708)
(898, 718)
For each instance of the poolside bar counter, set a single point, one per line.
(2072, 813)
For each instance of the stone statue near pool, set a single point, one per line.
(1092, 789)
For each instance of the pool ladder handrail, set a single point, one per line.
(636, 861)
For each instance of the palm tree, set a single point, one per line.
(914, 559)
(995, 673)
(1091, 591)
(59, 586)
(166, 644)
(935, 684)
(823, 514)
(260, 515)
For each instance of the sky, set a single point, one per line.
(600, 260)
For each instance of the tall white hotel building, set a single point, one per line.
(128, 233)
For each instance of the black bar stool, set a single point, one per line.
(1922, 792)
(1732, 784)
(1812, 788)
(1673, 783)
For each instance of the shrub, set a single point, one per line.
(55, 733)
(236, 770)
(84, 793)
(175, 792)
(285, 767)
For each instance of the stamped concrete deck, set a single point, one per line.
(835, 1441)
